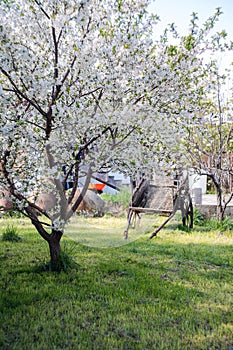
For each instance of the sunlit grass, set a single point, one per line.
(105, 232)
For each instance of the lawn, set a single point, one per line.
(173, 292)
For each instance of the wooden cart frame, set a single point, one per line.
(181, 200)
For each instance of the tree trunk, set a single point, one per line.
(220, 208)
(55, 249)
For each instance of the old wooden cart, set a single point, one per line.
(162, 196)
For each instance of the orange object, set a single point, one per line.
(97, 187)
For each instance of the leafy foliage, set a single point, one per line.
(225, 225)
(122, 197)
(199, 218)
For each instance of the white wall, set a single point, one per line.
(198, 181)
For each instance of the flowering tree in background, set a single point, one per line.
(84, 87)
(209, 138)
(204, 115)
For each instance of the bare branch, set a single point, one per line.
(144, 95)
(42, 9)
(125, 137)
(58, 87)
(55, 53)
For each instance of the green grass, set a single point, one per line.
(174, 292)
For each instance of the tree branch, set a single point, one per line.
(75, 184)
(42, 9)
(55, 53)
(81, 196)
(17, 90)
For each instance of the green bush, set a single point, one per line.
(225, 225)
(122, 197)
(212, 224)
(199, 218)
(11, 234)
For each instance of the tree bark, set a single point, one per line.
(55, 249)
(220, 208)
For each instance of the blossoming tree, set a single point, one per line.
(209, 137)
(83, 87)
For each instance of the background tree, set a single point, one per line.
(203, 116)
(209, 138)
